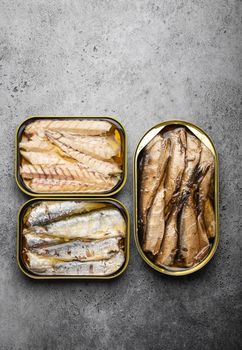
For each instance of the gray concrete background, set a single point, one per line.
(143, 62)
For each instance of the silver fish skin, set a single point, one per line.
(81, 251)
(100, 224)
(51, 266)
(47, 211)
(33, 241)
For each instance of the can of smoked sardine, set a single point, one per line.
(71, 156)
(176, 198)
(70, 238)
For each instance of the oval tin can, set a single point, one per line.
(20, 245)
(18, 158)
(204, 138)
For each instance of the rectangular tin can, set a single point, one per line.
(204, 138)
(113, 191)
(30, 274)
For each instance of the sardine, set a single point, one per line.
(206, 161)
(82, 251)
(66, 172)
(204, 203)
(33, 241)
(100, 224)
(188, 233)
(192, 157)
(156, 156)
(193, 152)
(155, 222)
(81, 127)
(45, 158)
(54, 185)
(51, 266)
(101, 147)
(209, 218)
(203, 238)
(39, 263)
(176, 164)
(101, 166)
(169, 247)
(48, 211)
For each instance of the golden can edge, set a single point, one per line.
(147, 137)
(118, 188)
(114, 201)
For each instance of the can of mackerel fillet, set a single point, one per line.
(78, 156)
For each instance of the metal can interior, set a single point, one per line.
(20, 225)
(204, 138)
(18, 158)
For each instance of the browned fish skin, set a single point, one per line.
(205, 206)
(193, 152)
(53, 185)
(104, 167)
(155, 222)
(209, 218)
(168, 249)
(188, 233)
(203, 238)
(155, 160)
(206, 161)
(180, 216)
(176, 164)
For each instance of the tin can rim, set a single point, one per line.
(25, 190)
(204, 262)
(108, 200)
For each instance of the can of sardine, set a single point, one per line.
(77, 156)
(176, 204)
(74, 238)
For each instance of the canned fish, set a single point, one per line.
(81, 156)
(73, 238)
(176, 198)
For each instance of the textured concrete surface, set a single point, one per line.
(143, 62)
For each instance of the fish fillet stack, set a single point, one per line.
(176, 213)
(73, 238)
(71, 156)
